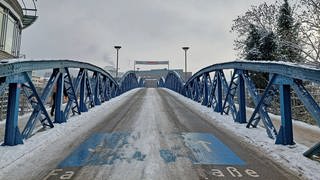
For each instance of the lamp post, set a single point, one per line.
(185, 62)
(117, 48)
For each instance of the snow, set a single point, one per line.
(307, 66)
(36, 151)
(290, 157)
(147, 137)
(43, 146)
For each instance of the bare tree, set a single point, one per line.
(310, 30)
(263, 17)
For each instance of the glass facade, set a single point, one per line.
(10, 33)
(1, 25)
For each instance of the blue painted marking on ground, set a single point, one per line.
(138, 156)
(167, 155)
(100, 149)
(207, 149)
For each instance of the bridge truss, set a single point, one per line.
(210, 88)
(89, 88)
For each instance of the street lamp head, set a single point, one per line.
(117, 47)
(185, 48)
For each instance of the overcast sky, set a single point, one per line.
(87, 30)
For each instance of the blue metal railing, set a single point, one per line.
(217, 93)
(83, 92)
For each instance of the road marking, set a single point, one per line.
(207, 149)
(205, 145)
(59, 174)
(101, 149)
(234, 173)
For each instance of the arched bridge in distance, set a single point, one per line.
(157, 133)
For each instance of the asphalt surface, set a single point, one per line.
(155, 136)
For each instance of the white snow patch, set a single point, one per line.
(288, 156)
(307, 66)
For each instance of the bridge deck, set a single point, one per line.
(155, 136)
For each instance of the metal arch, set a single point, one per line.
(129, 81)
(286, 76)
(173, 81)
(141, 82)
(11, 67)
(83, 92)
(294, 71)
(161, 82)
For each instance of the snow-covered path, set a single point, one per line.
(151, 134)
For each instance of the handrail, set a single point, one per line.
(292, 70)
(219, 94)
(84, 91)
(178, 76)
(14, 66)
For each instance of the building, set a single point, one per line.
(15, 15)
(152, 76)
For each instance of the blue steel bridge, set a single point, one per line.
(93, 86)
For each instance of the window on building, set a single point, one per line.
(1, 26)
(10, 32)
(9, 35)
(16, 40)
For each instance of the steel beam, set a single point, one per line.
(96, 95)
(12, 134)
(260, 106)
(218, 107)
(83, 106)
(308, 101)
(58, 116)
(241, 116)
(205, 94)
(285, 135)
(71, 90)
(26, 133)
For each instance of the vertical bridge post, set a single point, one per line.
(285, 135)
(218, 107)
(59, 118)
(96, 89)
(12, 135)
(83, 106)
(241, 116)
(205, 93)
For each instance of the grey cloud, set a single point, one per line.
(147, 29)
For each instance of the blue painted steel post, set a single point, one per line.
(218, 107)
(285, 135)
(12, 134)
(206, 90)
(59, 118)
(96, 90)
(83, 106)
(241, 116)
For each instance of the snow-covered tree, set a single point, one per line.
(251, 49)
(288, 31)
(268, 46)
(256, 39)
(262, 17)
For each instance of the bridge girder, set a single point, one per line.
(283, 77)
(83, 92)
